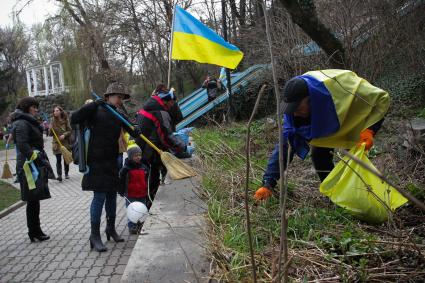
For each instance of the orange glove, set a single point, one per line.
(262, 193)
(366, 136)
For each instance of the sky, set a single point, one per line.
(36, 12)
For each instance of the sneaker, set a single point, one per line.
(59, 178)
(133, 230)
(66, 176)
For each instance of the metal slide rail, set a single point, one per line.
(199, 97)
(209, 106)
(199, 90)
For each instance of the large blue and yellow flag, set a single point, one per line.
(342, 105)
(192, 40)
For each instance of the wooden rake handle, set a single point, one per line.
(56, 137)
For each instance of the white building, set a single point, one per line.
(45, 79)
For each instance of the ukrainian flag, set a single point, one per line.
(192, 40)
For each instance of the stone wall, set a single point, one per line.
(47, 103)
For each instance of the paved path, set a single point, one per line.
(66, 257)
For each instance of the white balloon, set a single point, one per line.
(137, 212)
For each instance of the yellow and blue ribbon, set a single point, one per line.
(31, 171)
(86, 148)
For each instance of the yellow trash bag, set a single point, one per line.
(354, 188)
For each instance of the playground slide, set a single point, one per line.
(199, 97)
(197, 104)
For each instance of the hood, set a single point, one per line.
(131, 164)
(19, 115)
(153, 105)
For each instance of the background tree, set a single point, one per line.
(13, 57)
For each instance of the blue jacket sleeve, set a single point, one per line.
(272, 173)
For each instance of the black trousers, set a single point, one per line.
(322, 158)
(154, 182)
(33, 217)
(59, 165)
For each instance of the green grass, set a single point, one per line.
(317, 223)
(416, 190)
(8, 195)
(3, 145)
(422, 113)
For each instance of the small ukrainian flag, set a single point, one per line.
(192, 40)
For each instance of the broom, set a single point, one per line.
(7, 174)
(176, 168)
(67, 156)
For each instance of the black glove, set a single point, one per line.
(121, 190)
(100, 101)
(38, 161)
(137, 131)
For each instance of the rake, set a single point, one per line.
(67, 156)
(176, 168)
(7, 174)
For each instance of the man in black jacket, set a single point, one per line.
(155, 123)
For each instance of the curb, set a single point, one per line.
(12, 208)
(172, 247)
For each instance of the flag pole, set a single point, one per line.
(171, 47)
(230, 111)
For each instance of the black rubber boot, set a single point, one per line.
(33, 222)
(110, 230)
(95, 239)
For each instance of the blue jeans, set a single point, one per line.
(127, 203)
(100, 198)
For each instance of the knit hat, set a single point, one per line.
(133, 151)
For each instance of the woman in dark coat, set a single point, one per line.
(28, 135)
(102, 176)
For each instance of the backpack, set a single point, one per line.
(79, 146)
(76, 133)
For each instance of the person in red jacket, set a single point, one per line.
(134, 178)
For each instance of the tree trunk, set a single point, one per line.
(179, 78)
(236, 14)
(242, 12)
(96, 42)
(194, 73)
(137, 30)
(305, 16)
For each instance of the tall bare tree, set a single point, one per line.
(78, 13)
(304, 14)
